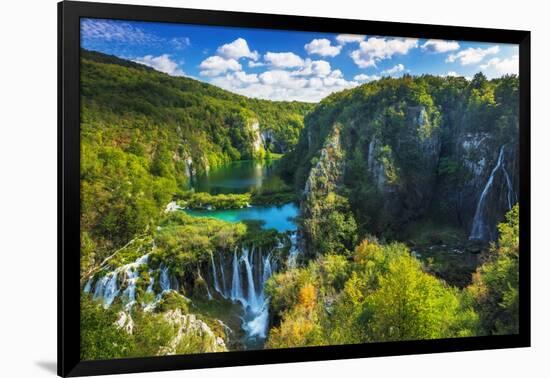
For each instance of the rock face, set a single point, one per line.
(489, 186)
(327, 173)
(190, 332)
(401, 160)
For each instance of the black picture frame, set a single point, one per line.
(69, 14)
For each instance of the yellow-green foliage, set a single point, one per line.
(495, 284)
(384, 294)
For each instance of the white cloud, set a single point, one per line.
(115, 31)
(322, 47)
(502, 66)
(312, 82)
(375, 49)
(283, 60)
(180, 43)
(314, 68)
(440, 46)
(349, 38)
(161, 63)
(365, 78)
(216, 65)
(236, 50)
(394, 70)
(236, 79)
(472, 55)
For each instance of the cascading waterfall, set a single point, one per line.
(251, 298)
(294, 250)
(250, 272)
(480, 229)
(164, 278)
(107, 288)
(236, 287)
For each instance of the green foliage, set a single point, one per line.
(383, 295)
(99, 338)
(496, 283)
(184, 241)
(205, 200)
(332, 227)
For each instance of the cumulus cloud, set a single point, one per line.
(440, 46)
(311, 82)
(502, 66)
(394, 70)
(216, 65)
(364, 78)
(283, 60)
(375, 49)
(349, 38)
(472, 55)
(314, 67)
(236, 50)
(161, 63)
(322, 47)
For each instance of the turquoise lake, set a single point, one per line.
(242, 177)
(277, 217)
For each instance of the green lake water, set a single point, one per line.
(242, 177)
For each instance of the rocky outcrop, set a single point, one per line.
(326, 173)
(192, 333)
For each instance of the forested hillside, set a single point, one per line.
(145, 134)
(402, 150)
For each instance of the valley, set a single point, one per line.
(214, 222)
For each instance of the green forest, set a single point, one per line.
(401, 193)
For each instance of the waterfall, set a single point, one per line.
(236, 288)
(164, 278)
(107, 288)
(294, 251)
(250, 279)
(480, 229)
(223, 278)
(151, 283)
(215, 275)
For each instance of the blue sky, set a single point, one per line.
(289, 65)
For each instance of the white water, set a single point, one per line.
(250, 271)
(294, 251)
(108, 287)
(480, 229)
(215, 275)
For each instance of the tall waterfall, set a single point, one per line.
(481, 230)
(215, 275)
(250, 270)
